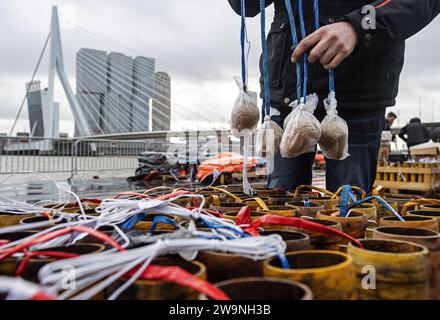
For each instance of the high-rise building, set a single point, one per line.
(91, 83)
(35, 109)
(161, 111)
(117, 103)
(115, 90)
(38, 105)
(143, 91)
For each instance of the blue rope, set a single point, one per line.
(316, 11)
(331, 73)
(303, 35)
(295, 44)
(264, 58)
(243, 45)
(331, 80)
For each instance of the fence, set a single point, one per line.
(24, 154)
(42, 155)
(68, 155)
(105, 155)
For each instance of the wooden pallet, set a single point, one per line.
(409, 177)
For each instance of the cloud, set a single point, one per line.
(197, 41)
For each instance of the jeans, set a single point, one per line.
(365, 130)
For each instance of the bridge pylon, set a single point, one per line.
(56, 67)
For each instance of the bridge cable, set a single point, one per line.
(29, 84)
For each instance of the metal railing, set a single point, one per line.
(22, 154)
(105, 155)
(43, 155)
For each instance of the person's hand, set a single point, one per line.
(332, 44)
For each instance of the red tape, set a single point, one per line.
(295, 222)
(244, 218)
(42, 296)
(182, 277)
(50, 236)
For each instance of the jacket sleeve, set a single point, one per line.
(395, 21)
(402, 134)
(252, 7)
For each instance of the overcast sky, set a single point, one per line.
(196, 41)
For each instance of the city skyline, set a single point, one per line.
(115, 90)
(185, 50)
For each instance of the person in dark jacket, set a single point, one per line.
(366, 52)
(414, 133)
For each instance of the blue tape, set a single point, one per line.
(131, 222)
(284, 262)
(382, 202)
(345, 194)
(213, 225)
(307, 202)
(161, 219)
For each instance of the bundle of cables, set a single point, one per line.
(131, 254)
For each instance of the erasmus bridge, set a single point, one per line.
(83, 110)
(198, 104)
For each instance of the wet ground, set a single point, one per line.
(33, 189)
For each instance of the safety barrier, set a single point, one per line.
(105, 155)
(24, 154)
(45, 155)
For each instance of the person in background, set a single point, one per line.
(389, 120)
(386, 134)
(414, 133)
